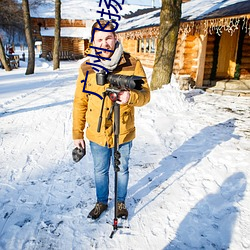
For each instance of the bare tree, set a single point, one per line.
(11, 16)
(56, 59)
(36, 3)
(28, 33)
(169, 27)
(11, 24)
(3, 57)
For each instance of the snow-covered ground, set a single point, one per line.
(189, 170)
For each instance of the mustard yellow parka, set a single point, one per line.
(87, 107)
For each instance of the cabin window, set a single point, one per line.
(152, 45)
(139, 45)
(146, 45)
(142, 45)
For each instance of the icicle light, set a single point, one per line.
(218, 25)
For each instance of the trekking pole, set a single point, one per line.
(117, 156)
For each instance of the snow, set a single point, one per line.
(68, 32)
(196, 9)
(189, 169)
(157, 3)
(149, 19)
(82, 10)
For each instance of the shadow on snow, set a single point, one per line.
(211, 221)
(23, 110)
(190, 153)
(209, 225)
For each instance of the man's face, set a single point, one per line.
(105, 40)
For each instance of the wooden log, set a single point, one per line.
(245, 60)
(209, 59)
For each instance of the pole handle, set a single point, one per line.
(99, 124)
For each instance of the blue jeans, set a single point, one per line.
(102, 158)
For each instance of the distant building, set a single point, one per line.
(74, 36)
(77, 19)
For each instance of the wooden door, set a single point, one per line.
(227, 55)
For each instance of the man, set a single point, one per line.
(87, 106)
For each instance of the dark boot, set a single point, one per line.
(97, 210)
(122, 211)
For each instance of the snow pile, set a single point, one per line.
(169, 99)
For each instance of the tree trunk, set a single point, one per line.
(28, 33)
(3, 57)
(168, 35)
(56, 59)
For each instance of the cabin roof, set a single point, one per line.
(208, 9)
(193, 10)
(78, 9)
(74, 32)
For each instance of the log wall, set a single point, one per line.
(73, 45)
(245, 61)
(188, 54)
(50, 22)
(179, 59)
(209, 57)
(132, 46)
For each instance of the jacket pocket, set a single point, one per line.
(126, 120)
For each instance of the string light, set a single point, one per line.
(218, 25)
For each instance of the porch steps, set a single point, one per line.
(231, 88)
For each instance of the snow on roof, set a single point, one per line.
(78, 9)
(191, 11)
(197, 9)
(144, 2)
(75, 9)
(151, 18)
(79, 32)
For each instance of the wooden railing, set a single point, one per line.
(64, 55)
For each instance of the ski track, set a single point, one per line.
(42, 220)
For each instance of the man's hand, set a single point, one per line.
(123, 97)
(79, 143)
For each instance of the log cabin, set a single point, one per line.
(74, 37)
(213, 41)
(75, 27)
